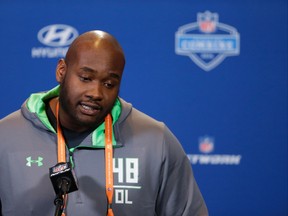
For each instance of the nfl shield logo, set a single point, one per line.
(206, 144)
(207, 22)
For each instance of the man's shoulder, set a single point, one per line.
(136, 115)
(14, 116)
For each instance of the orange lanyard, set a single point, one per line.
(61, 148)
(108, 156)
(109, 163)
(60, 139)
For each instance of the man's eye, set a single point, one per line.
(108, 85)
(85, 79)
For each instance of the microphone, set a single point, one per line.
(64, 181)
(63, 178)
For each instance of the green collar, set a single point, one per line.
(36, 104)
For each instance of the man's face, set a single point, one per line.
(89, 87)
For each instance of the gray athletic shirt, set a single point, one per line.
(152, 174)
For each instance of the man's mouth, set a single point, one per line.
(90, 109)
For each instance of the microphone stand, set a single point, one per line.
(59, 204)
(63, 185)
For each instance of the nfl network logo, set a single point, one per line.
(207, 42)
(206, 144)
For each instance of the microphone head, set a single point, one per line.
(63, 178)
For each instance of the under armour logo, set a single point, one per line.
(38, 161)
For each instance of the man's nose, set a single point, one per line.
(95, 91)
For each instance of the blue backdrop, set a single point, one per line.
(214, 71)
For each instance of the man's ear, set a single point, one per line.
(61, 70)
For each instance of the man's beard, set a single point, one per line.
(69, 108)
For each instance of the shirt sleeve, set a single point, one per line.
(179, 194)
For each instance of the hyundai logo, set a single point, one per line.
(57, 35)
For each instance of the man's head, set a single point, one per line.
(89, 78)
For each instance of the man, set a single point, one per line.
(151, 173)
